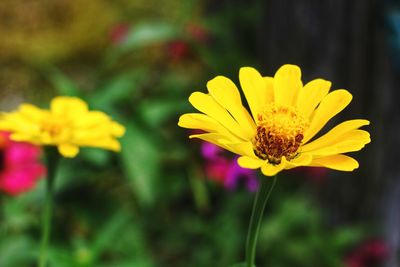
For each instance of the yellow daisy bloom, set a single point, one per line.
(68, 125)
(285, 116)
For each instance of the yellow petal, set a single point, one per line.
(110, 144)
(357, 135)
(336, 162)
(352, 145)
(22, 137)
(269, 89)
(32, 112)
(311, 94)
(331, 105)
(18, 123)
(117, 129)
(64, 105)
(301, 160)
(351, 141)
(339, 148)
(99, 141)
(254, 88)
(203, 122)
(216, 139)
(269, 169)
(224, 91)
(334, 135)
(287, 84)
(242, 148)
(206, 104)
(250, 163)
(91, 119)
(68, 150)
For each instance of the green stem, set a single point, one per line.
(52, 157)
(3, 226)
(260, 201)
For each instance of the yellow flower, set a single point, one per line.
(285, 116)
(68, 125)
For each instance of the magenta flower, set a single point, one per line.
(178, 50)
(198, 33)
(369, 254)
(20, 167)
(225, 170)
(118, 33)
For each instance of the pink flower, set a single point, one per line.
(217, 170)
(198, 33)
(118, 33)
(178, 50)
(225, 170)
(20, 167)
(370, 254)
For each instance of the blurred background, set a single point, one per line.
(167, 201)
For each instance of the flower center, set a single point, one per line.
(279, 133)
(55, 129)
(52, 129)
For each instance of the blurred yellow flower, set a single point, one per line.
(68, 125)
(285, 116)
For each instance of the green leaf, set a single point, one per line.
(130, 263)
(96, 156)
(242, 264)
(157, 112)
(116, 89)
(63, 84)
(61, 257)
(16, 251)
(347, 236)
(140, 160)
(148, 34)
(199, 189)
(107, 235)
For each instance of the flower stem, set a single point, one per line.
(260, 201)
(3, 226)
(52, 157)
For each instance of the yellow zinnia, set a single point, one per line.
(285, 116)
(68, 124)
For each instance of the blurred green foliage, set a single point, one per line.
(150, 205)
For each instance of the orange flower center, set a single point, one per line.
(55, 129)
(280, 131)
(52, 128)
